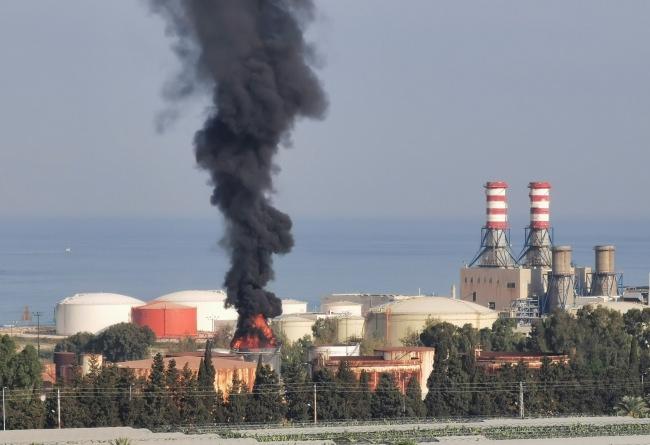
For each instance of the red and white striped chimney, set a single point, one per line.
(540, 200)
(497, 205)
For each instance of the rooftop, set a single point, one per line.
(101, 298)
(192, 362)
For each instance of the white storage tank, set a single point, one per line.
(211, 312)
(342, 307)
(294, 326)
(290, 306)
(93, 312)
(348, 327)
(394, 321)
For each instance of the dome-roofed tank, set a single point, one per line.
(394, 321)
(93, 312)
(211, 311)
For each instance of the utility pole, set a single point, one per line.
(4, 417)
(130, 391)
(58, 406)
(315, 408)
(521, 399)
(38, 331)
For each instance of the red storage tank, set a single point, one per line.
(166, 319)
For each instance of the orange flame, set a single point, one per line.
(258, 335)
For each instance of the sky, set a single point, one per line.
(428, 100)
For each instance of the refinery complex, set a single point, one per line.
(497, 283)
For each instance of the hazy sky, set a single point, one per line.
(429, 99)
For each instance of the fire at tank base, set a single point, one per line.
(266, 356)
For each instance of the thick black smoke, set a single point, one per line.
(253, 58)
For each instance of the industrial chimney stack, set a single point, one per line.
(561, 289)
(495, 240)
(604, 282)
(537, 249)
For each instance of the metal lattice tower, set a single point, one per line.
(539, 236)
(495, 235)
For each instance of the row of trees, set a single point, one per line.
(608, 353)
(118, 343)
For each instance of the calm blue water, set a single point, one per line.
(146, 259)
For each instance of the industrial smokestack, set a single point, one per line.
(537, 248)
(495, 243)
(561, 289)
(604, 281)
(253, 57)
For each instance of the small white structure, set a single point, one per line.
(342, 308)
(93, 312)
(211, 311)
(290, 306)
(325, 352)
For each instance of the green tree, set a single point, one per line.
(327, 406)
(324, 331)
(265, 403)
(207, 402)
(632, 406)
(235, 409)
(188, 398)
(154, 413)
(414, 404)
(172, 401)
(346, 383)
(364, 397)
(123, 341)
(386, 401)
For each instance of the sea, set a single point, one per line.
(43, 261)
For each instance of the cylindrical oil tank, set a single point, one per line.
(349, 327)
(167, 320)
(561, 260)
(93, 312)
(211, 311)
(394, 321)
(290, 306)
(294, 326)
(342, 307)
(605, 259)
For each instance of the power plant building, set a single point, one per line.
(93, 312)
(211, 311)
(394, 321)
(166, 320)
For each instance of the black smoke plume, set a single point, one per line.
(251, 56)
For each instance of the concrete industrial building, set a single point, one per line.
(394, 321)
(211, 312)
(93, 312)
(544, 277)
(225, 369)
(403, 363)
